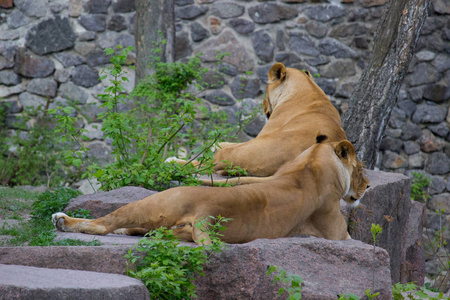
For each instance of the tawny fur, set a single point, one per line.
(302, 197)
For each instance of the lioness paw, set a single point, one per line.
(58, 220)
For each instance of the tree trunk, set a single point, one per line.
(152, 17)
(374, 98)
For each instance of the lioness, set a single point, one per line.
(297, 109)
(301, 198)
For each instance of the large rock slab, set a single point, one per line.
(387, 203)
(41, 283)
(103, 203)
(328, 268)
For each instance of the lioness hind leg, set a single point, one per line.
(65, 223)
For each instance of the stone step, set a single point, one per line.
(328, 268)
(22, 282)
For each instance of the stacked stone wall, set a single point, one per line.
(53, 50)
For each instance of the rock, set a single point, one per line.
(438, 163)
(271, 13)
(220, 98)
(441, 62)
(6, 3)
(215, 25)
(69, 59)
(387, 197)
(58, 7)
(226, 10)
(213, 80)
(414, 252)
(226, 42)
(62, 75)
(84, 48)
(440, 129)
(348, 29)
(198, 32)
(370, 3)
(431, 24)
(398, 118)
(411, 147)
(339, 50)
(437, 186)
(97, 6)
(254, 126)
(17, 19)
(425, 55)
(42, 283)
(51, 35)
(395, 133)
(392, 160)
(94, 131)
(85, 76)
(97, 58)
(424, 73)
(11, 106)
(12, 90)
(327, 85)
(190, 12)
(32, 8)
(75, 8)
(30, 65)
(99, 151)
(262, 73)
(325, 12)
(361, 42)
(117, 23)
(416, 160)
(391, 144)
(438, 92)
(242, 26)
(246, 265)
(245, 88)
(346, 90)
(301, 43)
(316, 29)
(93, 22)
(263, 45)
(416, 94)
(183, 46)
(29, 100)
(183, 2)
(103, 203)
(439, 202)
(43, 87)
(286, 58)
(429, 143)
(72, 92)
(426, 113)
(227, 69)
(9, 78)
(317, 61)
(123, 6)
(408, 107)
(9, 35)
(8, 52)
(410, 131)
(86, 36)
(338, 68)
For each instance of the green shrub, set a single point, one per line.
(168, 268)
(51, 202)
(419, 187)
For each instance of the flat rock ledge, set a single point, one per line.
(328, 268)
(21, 282)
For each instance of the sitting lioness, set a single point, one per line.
(301, 198)
(297, 109)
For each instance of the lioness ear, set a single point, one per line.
(345, 151)
(320, 138)
(308, 73)
(277, 72)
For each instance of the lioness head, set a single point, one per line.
(285, 83)
(358, 180)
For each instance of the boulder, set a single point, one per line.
(42, 283)
(328, 268)
(103, 203)
(387, 203)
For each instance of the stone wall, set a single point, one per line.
(53, 50)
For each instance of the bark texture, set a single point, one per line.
(376, 94)
(152, 17)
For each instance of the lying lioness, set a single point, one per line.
(297, 109)
(301, 198)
